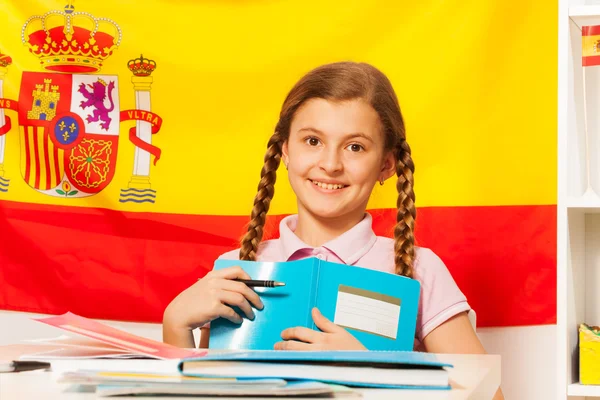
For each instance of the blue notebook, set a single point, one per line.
(378, 308)
(393, 369)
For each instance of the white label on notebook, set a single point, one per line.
(367, 311)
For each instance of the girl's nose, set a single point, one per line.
(331, 161)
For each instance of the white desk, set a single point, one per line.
(475, 377)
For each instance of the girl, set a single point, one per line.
(339, 133)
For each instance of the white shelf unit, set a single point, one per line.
(579, 390)
(578, 202)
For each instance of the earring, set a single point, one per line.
(286, 165)
(381, 181)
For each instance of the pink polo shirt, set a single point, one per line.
(440, 296)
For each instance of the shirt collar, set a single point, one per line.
(350, 246)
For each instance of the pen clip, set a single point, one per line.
(21, 366)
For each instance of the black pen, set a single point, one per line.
(255, 283)
(19, 366)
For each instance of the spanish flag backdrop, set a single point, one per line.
(132, 136)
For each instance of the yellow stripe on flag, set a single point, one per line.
(53, 178)
(42, 157)
(479, 99)
(590, 45)
(33, 163)
(22, 154)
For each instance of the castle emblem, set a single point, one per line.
(69, 115)
(44, 101)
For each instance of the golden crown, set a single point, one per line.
(70, 41)
(141, 66)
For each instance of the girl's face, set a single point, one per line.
(335, 155)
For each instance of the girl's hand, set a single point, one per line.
(332, 337)
(210, 298)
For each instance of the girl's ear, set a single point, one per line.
(388, 168)
(284, 153)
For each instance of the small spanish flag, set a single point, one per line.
(590, 42)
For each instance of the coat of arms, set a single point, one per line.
(68, 114)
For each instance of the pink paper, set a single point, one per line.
(117, 338)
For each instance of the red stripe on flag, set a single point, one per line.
(590, 30)
(503, 258)
(47, 162)
(56, 165)
(27, 156)
(128, 266)
(37, 157)
(590, 61)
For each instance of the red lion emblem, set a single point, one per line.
(95, 98)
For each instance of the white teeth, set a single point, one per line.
(328, 186)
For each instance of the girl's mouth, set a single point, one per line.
(328, 186)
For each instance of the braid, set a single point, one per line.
(262, 200)
(404, 240)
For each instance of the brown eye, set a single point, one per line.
(355, 147)
(313, 141)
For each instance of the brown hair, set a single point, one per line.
(339, 82)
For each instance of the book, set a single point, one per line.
(132, 375)
(297, 388)
(66, 347)
(384, 369)
(131, 380)
(97, 340)
(378, 308)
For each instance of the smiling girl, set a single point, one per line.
(340, 132)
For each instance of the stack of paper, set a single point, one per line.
(96, 340)
(108, 383)
(391, 369)
(287, 389)
(118, 363)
